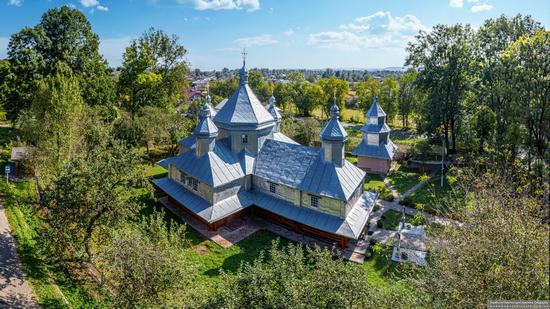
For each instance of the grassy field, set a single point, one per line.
(431, 197)
(402, 179)
(390, 220)
(376, 183)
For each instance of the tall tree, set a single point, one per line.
(53, 122)
(389, 94)
(495, 75)
(443, 61)
(63, 35)
(408, 96)
(366, 91)
(93, 191)
(335, 91)
(153, 72)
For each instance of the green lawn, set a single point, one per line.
(402, 179)
(376, 183)
(431, 197)
(18, 199)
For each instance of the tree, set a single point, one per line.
(501, 252)
(161, 127)
(63, 35)
(92, 192)
(153, 72)
(483, 123)
(389, 94)
(284, 94)
(530, 61)
(52, 124)
(495, 75)
(261, 88)
(366, 91)
(335, 91)
(143, 266)
(307, 97)
(294, 277)
(221, 89)
(408, 96)
(443, 61)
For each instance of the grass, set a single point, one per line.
(403, 179)
(18, 199)
(390, 220)
(431, 197)
(376, 184)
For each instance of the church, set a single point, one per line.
(237, 162)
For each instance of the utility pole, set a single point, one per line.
(442, 159)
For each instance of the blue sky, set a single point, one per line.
(276, 33)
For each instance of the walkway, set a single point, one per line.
(15, 291)
(383, 235)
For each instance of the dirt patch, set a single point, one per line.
(202, 250)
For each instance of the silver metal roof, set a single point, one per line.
(272, 109)
(214, 168)
(349, 227)
(376, 128)
(333, 130)
(303, 168)
(382, 151)
(375, 109)
(247, 160)
(278, 136)
(220, 105)
(243, 108)
(206, 126)
(188, 142)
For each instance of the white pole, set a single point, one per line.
(442, 159)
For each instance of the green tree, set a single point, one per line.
(52, 124)
(162, 127)
(389, 96)
(366, 91)
(153, 72)
(483, 122)
(444, 64)
(307, 97)
(63, 35)
(143, 265)
(294, 277)
(261, 88)
(501, 252)
(335, 91)
(92, 192)
(222, 89)
(408, 96)
(496, 85)
(284, 94)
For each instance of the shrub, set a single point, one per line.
(376, 207)
(407, 201)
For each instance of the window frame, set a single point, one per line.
(244, 139)
(273, 187)
(314, 201)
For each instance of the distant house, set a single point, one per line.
(237, 162)
(376, 150)
(194, 94)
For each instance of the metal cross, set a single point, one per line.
(244, 53)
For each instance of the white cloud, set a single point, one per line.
(89, 3)
(259, 40)
(456, 3)
(289, 32)
(481, 7)
(15, 2)
(249, 5)
(102, 8)
(374, 31)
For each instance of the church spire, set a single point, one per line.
(244, 72)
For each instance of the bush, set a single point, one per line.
(376, 207)
(386, 195)
(407, 201)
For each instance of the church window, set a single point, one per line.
(372, 139)
(314, 201)
(372, 120)
(272, 187)
(244, 138)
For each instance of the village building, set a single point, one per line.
(376, 150)
(237, 162)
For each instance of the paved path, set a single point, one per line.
(15, 291)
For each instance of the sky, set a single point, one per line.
(292, 34)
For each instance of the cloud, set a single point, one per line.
(289, 32)
(373, 31)
(456, 3)
(102, 8)
(15, 2)
(481, 7)
(249, 5)
(260, 40)
(89, 3)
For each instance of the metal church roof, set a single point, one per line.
(206, 126)
(303, 168)
(214, 168)
(272, 109)
(376, 128)
(375, 109)
(382, 151)
(333, 130)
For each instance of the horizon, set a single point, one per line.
(347, 35)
